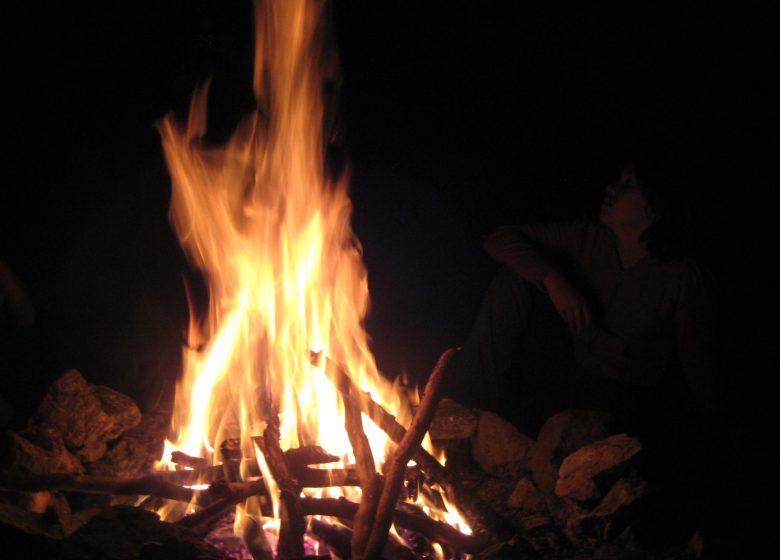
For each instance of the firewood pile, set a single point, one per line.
(78, 482)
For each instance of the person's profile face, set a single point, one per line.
(624, 204)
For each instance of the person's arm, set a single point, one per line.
(525, 250)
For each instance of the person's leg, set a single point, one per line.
(516, 357)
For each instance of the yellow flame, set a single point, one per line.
(272, 237)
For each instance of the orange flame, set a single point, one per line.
(273, 238)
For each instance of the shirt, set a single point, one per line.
(649, 321)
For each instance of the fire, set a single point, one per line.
(272, 237)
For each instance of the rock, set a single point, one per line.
(526, 496)
(544, 535)
(126, 459)
(122, 410)
(614, 512)
(85, 415)
(498, 447)
(93, 451)
(453, 421)
(588, 472)
(561, 435)
(25, 455)
(136, 451)
(72, 409)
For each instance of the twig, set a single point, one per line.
(396, 465)
(305, 477)
(338, 539)
(149, 485)
(292, 525)
(201, 521)
(181, 458)
(364, 459)
(308, 455)
(434, 531)
(477, 513)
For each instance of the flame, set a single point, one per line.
(272, 237)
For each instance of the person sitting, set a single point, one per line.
(597, 314)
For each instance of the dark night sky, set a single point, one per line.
(457, 119)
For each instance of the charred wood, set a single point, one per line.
(293, 526)
(396, 466)
(477, 512)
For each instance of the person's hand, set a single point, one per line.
(568, 301)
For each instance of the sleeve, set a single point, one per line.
(696, 323)
(527, 249)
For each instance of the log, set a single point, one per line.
(292, 525)
(308, 455)
(229, 495)
(149, 485)
(188, 461)
(338, 539)
(367, 476)
(304, 477)
(476, 512)
(433, 530)
(396, 465)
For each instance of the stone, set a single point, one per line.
(614, 512)
(126, 459)
(588, 472)
(526, 496)
(561, 435)
(87, 417)
(46, 454)
(135, 453)
(71, 408)
(498, 447)
(453, 421)
(122, 410)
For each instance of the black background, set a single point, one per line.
(458, 117)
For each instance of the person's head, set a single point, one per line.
(625, 206)
(647, 198)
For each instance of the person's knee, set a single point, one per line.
(507, 285)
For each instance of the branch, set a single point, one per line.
(435, 531)
(396, 466)
(229, 495)
(292, 526)
(476, 512)
(149, 485)
(364, 459)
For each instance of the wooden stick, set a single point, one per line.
(477, 512)
(305, 477)
(338, 539)
(396, 465)
(434, 531)
(364, 459)
(292, 525)
(149, 485)
(181, 458)
(308, 455)
(231, 494)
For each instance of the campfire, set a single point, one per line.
(285, 439)
(278, 379)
